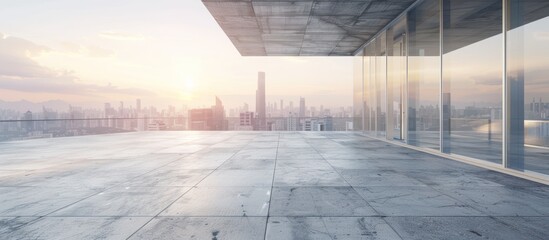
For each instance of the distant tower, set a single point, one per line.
(291, 106)
(218, 114)
(107, 109)
(138, 105)
(121, 109)
(282, 107)
(302, 107)
(260, 103)
(28, 125)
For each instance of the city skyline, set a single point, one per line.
(124, 54)
(263, 109)
(119, 117)
(274, 119)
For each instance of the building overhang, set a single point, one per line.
(303, 27)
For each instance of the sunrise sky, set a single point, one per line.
(163, 51)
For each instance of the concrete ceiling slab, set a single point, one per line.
(303, 27)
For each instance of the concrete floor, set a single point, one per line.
(253, 185)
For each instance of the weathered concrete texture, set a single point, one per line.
(304, 27)
(255, 185)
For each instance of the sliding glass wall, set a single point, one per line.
(358, 124)
(396, 80)
(424, 75)
(366, 92)
(528, 85)
(463, 77)
(381, 84)
(472, 78)
(370, 89)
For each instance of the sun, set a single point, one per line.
(187, 89)
(189, 84)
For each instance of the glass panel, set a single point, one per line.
(369, 84)
(528, 83)
(366, 92)
(472, 78)
(381, 84)
(396, 78)
(358, 107)
(424, 74)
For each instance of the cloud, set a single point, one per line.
(114, 35)
(99, 52)
(71, 47)
(19, 72)
(15, 58)
(90, 51)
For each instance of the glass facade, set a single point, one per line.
(472, 78)
(396, 79)
(424, 75)
(370, 89)
(358, 124)
(463, 77)
(528, 85)
(368, 121)
(381, 84)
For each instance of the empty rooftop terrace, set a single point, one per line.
(255, 185)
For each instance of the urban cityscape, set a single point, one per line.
(268, 116)
(274, 119)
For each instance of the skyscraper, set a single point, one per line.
(108, 111)
(208, 119)
(302, 107)
(260, 102)
(281, 108)
(218, 114)
(121, 109)
(28, 125)
(138, 105)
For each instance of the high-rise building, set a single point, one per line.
(260, 105)
(142, 122)
(208, 119)
(302, 107)
(291, 107)
(218, 113)
(121, 109)
(292, 122)
(200, 119)
(281, 108)
(28, 124)
(138, 105)
(108, 109)
(247, 121)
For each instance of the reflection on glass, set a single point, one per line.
(472, 73)
(528, 83)
(366, 94)
(396, 79)
(358, 107)
(424, 74)
(381, 84)
(370, 87)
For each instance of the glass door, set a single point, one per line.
(396, 90)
